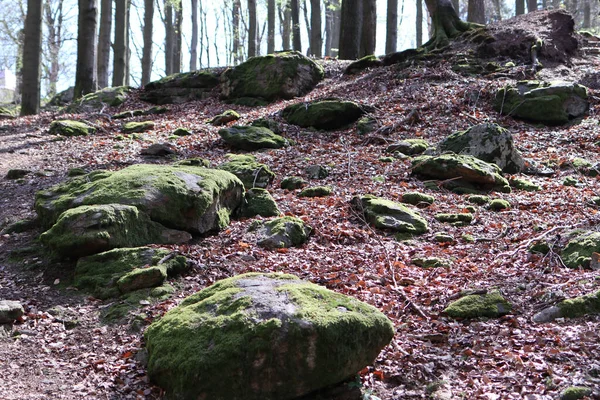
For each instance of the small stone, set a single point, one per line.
(17, 173)
(293, 183)
(316, 191)
(182, 132)
(137, 127)
(478, 199)
(499, 205)
(159, 150)
(442, 237)
(10, 311)
(317, 172)
(225, 118)
(491, 305)
(570, 181)
(459, 219)
(417, 199)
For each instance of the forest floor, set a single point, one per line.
(431, 354)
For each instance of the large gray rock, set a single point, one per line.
(282, 75)
(386, 214)
(460, 169)
(10, 311)
(262, 336)
(488, 142)
(193, 199)
(97, 101)
(280, 232)
(180, 88)
(546, 102)
(86, 230)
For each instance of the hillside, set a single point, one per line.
(431, 353)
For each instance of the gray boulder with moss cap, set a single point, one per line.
(67, 127)
(488, 142)
(280, 232)
(10, 311)
(460, 169)
(386, 214)
(180, 88)
(263, 336)
(252, 138)
(571, 308)
(578, 251)
(283, 75)
(326, 114)
(546, 102)
(491, 305)
(193, 199)
(248, 170)
(86, 230)
(97, 101)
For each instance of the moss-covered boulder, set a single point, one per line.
(461, 170)
(478, 199)
(458, 219)
(571, 308)
(120, 271)
(86, 230)
(67, 127)
(138, 113)
(10, 311)
(417, 199)
(316, 191)
(488, 142)
(252, 138)
(491, 305)
(259, 201)
(180, 88)
(325, 114)
(283, 75)
(62, 98)
(225, 118)
(575, 393)
(578, 251)
(546, 102)
(524, 184)
(293, 183)
(138, 127)
(280, 232)
(269, 123)
(194, 199)
(248, 170)
(386, 214)
(410, 147)
(356, 67)
(262, 336)
(111, 96)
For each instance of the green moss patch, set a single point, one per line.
(575, 393)
(138, 127)
(417, 199)
(386, 214)
(293, 183)
(478, 199)
(459, 219)
(281, 232)
(499, 205)
(491, 305)
(259, 201)
(578, 251)
(316, 191)
(408, 146)
(268, 335)
(252, 138)
(580, 306)
(125, 270)
(524, 184)
(71, 128)
(326, 114)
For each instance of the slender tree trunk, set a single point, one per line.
(252, 28)
(178, 36)
(169, 38)
(19, 67)
(328, 28)
(476, 11)
(369, 28)
(235, 23)
(85, 75)
(419, 28)
(532, 5)
(104, 42)
(587, 15)
(194, 44)
(127, 47)
(54, 23)
(147, 51)
(285, 17)
(350, 32)
(519, 7)
(391, 27)
(316, 40)
(497, 10)
(32, 50)
(120, 47)
(456, 5)
(336, 27)
(296, 39)
(270, 26)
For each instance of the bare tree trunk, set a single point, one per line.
(476, 11)
(296, 39)
(147, 51)
(419, 29)
(32, 50)
(350, 32)
(587, 15)
(316, 41)
(54, 22)
(194, 44)
(369, 28)
(235, 19)
(532, 5)
(270, 26)
(169, 38)
(178, 38)
(252, 28)
(336, 28)
(519, 7)
(456, 5)
(120, 47)
(497, 16)
(285, 16)
(127, 47)
(104, 42)
(85, 75)
(391, 27)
